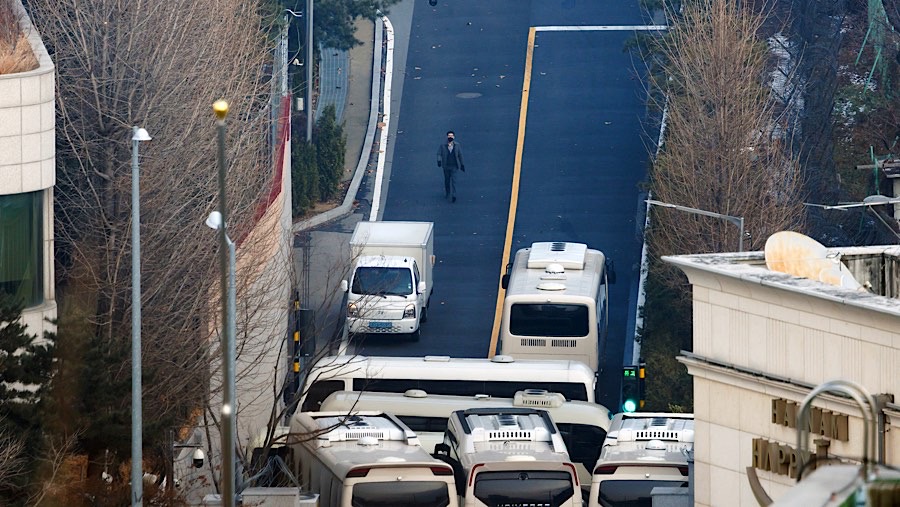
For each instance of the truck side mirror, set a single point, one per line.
(504, 281)
(421, 288)
(344, 286)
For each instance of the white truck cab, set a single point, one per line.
(390, 284)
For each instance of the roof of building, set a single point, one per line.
(875, 267)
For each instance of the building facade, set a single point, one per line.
(27, 178)
(762, 341)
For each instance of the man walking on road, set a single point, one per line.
(450, 159)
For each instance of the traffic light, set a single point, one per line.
(631, 389)
(641, 376)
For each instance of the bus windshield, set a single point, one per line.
(632, 493)
(410, 493)
(382, 281)
(526, 487)
(549, 320)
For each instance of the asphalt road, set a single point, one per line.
(584, 154)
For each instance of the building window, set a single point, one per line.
(21, 252)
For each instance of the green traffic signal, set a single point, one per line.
(630, 388)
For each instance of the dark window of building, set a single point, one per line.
(21, 247)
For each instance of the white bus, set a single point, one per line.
(366, 460)
(500, 376)
(509, 457)
(583, 425)
(642, 451)
(556, 303)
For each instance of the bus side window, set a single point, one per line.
(317, 393)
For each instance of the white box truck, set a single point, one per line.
(390, 284)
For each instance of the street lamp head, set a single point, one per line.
(220, 107)
(214, 220)
(140, 135)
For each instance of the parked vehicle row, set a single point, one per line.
(370, 433)
(489, 456)
(583, 425)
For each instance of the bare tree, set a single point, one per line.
(159, 65)
(50, 466)
(12, 458)
(726, 147)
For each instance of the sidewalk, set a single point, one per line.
(345, 82)
(359, 95)
(359, 118)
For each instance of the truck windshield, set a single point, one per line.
(526, 487)
(382, 281)
(391, 494)
(548, 320)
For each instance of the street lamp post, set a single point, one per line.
(137, 458)
(309, 69)
(738, 221)
(217, 220)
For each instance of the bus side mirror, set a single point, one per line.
(344, 286)
(441, 449)
(610, 271)
(504, 281)
(442, 453)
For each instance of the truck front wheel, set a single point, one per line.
(424, 314)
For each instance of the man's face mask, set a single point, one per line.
(449, 139)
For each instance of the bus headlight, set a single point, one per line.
(409, 312)
(352, 310)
